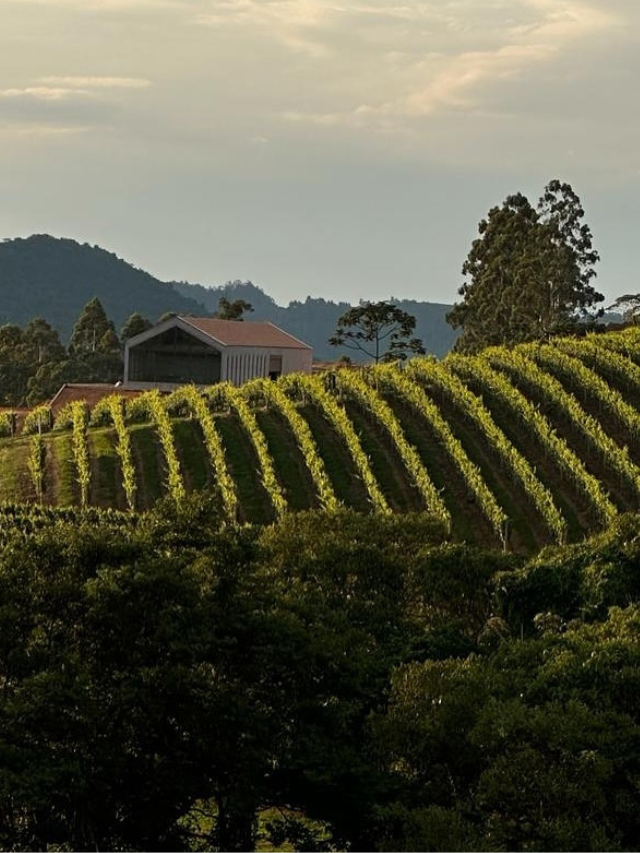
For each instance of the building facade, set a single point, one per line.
(204, 351)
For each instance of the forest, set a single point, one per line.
(393, 607)
(334, 681)
(53, 278)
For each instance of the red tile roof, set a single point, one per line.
(91, 393)
(245, 333)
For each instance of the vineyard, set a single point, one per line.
(514, 448)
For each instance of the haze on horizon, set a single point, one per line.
(337, 148)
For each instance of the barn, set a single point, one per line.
(204, 350)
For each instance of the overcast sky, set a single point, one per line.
(337, 148)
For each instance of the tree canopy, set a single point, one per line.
(165, 679)
(529, 272)
(629, 305)
(380, 330)
(134, 325)
(232, 310)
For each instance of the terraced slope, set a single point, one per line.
(514, 448)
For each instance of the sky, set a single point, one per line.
(344, 149)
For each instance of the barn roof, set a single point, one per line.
(90, 392)
(245, 333)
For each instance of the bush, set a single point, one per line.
(39, 419)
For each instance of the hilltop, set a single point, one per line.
(517, 448)
(314, 320)
(44, 276)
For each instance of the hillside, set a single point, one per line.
(43, 276)
(514, 448)
(314, 320)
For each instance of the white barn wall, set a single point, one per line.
(240, 364)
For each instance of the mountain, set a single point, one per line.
(314, 320)
(43, 276)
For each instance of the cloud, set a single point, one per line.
(295, 23)
(480, 47)
(78, 82)
(35, 131)
(65, 104)
(42, 93)
(66, 88)
(98, 5)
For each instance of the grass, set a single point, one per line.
(61, 477)
(288, 460)
(149, 463)
(255, 504)
(341, 470)
(194, 460)
(15, 481)
(468, 521)
(386, 464)
(106, 486)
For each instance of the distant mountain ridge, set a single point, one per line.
(54, 278)
(314, 320)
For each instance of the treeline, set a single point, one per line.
(34, 364)
(334, 681)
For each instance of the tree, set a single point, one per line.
(380, 330)
(629, 304)
(135, 324)
(529, 273)
(94, 347)
(23, 353)
(93, 331)
(42, 342)
(228, 310)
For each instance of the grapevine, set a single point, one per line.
(165, 434)
(79, 415)
(336, 414)
(356, 387)
(473, 407)
(478, 368)
(198, 407)
(274, 394)
(415, 396)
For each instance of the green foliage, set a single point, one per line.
(198, 407)
(116, 409)
(135, 324)
(235, 399)
(528, 274)
(379, 330)
(538, 424)
(64, 418)
(573, 490)
(165, 678)
(629, 305)
(80, 418)
(25, 354)
(93, 331)
(138, 410)
(275, 394)
(36, 462)
(100, 415)
(228, 310)
(38, 420)
(7, 424)
(313, 387)
(174, 481)
(94, 345)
